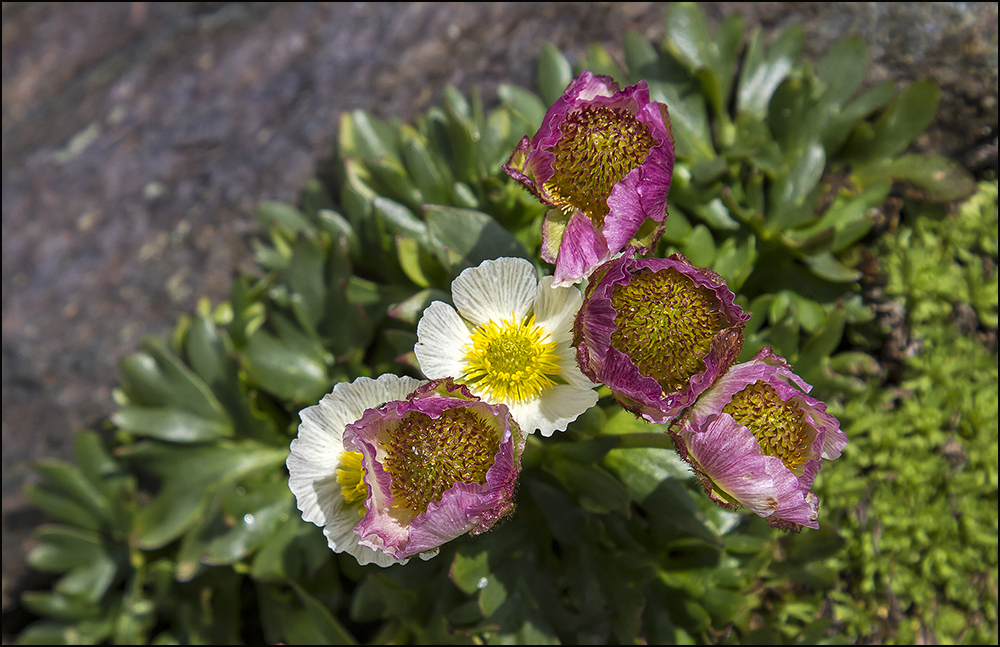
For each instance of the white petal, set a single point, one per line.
(569, 369)
(441, 340)
(553, 409)
(556, 309)
(495, 289)
(320, 435)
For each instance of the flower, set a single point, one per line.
(437, 465)
(657, 332)
(755, 438)
(393, 467)
(509, 342)
(325, 475)
(604, 158)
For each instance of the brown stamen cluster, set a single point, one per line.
(665, 324)
(598, 147)
(426, 456)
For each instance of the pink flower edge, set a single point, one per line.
(601, 363)
(465, 507)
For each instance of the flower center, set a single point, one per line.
(351, 476)
(598, 147)
(512, 361)
(426, 456)
(780, 426)
(665, 325)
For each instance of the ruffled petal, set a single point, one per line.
(553, 409)
(730, 456)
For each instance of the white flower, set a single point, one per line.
(326, 479)
(509, 342)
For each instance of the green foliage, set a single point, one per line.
(916, 497)
(179, 527)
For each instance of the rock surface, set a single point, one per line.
(138, 137)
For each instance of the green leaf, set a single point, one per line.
(641, 58)
(465, 237)
(688, 37)
(908, 116)
(734, 261)
(364, 136)
(173, 425)
(156, 377)
(763, 73)
(288, 372)
(83, 557)
(412, 308)
(554, 72)
(523, 102)
(469, 569)
(826, 266)
(599, 61)
(255, 512)
(688, 119)
(790, 191)
(598, 490)
(943, 179)
(700, 247)
(331, 631)
(62, 508)
(62, 478)
(190, 476)
(283, 215)
(843, 70)
(842, 123)
(430, 174)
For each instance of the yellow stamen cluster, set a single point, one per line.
(665, 324)
(351, 476)
(512, 361)
(780, 426)
(426, 456)
(599, 146)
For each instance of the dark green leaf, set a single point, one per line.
(156, 377)
(523, 102)
(167, 423)
(466, 238)
(290, 373)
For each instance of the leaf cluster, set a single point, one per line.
(179, 527)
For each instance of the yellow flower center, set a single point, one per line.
(780, 426)
(512, 361)
(351, 476)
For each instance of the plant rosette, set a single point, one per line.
(658, 332)
(604, 159)
(757, 439)
(395, 467)
(508, 339)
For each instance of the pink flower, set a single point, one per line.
(756, 439)
(658, 332)
(436, 465)
(603, 158)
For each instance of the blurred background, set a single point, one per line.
(137, 138)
